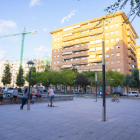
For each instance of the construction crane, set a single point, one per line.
(22, 44)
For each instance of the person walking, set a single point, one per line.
(1, 96)
(24, 98)
(51, 94)
(15, 94)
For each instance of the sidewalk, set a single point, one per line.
(80, 119)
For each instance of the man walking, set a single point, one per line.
(15, 94)
(51, 94)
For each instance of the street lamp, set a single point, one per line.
(111, 84)
(74, 86)
(30, 65)
(96, 84)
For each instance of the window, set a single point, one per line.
(113, 69)
(107, 63)
(118, 62)
(54, 62)
(117, 32)
(106, 34)
(76, 39)
(82, 51)
(87, 65)
(57, 55)
(57, 68)
(112, 62)
(112, 47)
(117, 39)
(77, 46)
(118, 54)
(112, 55)
(112, 40)
(111, 33)
(116, 25)
(106, 20)
(58, 38)
(58, 44)
(100, 55)
(58, 33)
(106, 27)
(118, 69)
(98, 48)
(116, 18)
(58, 50)
(55, 45)
(54, 68)
(57, 61)
(54, 50)
(111, 26)
(76, 52)
(55, 39)
(106, 41)
(107, 55)
(117, 46)
(107, 48)
(111, 19)
(54, 56)
(76, 65)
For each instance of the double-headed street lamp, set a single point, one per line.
(30, 65)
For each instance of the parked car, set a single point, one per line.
(133, 94)
(19, 90)
(119, 93)
(8, 90)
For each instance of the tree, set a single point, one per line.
(33, 69)
(120, 4)
(126, 80)
(20, 81)
(7, 76)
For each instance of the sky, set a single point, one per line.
(44, 16)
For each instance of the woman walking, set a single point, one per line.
(1, 96)
(24, 98)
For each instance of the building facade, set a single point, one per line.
(138, 56)
(80, 45)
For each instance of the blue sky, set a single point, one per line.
(44, 16)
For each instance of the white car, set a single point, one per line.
(132, 94)
(8, 90)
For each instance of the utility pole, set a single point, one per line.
(96, 84)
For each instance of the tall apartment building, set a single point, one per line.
(80, 45)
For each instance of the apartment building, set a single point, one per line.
(80, 45)
(138, 56)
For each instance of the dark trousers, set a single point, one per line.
(24, 100)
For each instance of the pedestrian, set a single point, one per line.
(51, 94)
(1, 96)
(38, 95)
(15, 94)
(24, 98)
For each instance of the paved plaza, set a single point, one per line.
(80, 119)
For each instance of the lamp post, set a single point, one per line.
(96, 84)
(103, 82)
(74, 86)
(30, 65)
(111, 84)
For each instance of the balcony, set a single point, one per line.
(130, 67)
(131, 54)
(80, 48)
(98, 52)
(77, 62)
(82, 28)
(80, 35)
(91, 67)
(75, 55)
(129, 40)
(97, 59)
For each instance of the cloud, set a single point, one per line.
(72, 13)
(7, 27)
(45, 29)
(35, 2)
(41, 51)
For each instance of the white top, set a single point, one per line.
(50, 91)
(15, 92)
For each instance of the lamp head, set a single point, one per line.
(30, 64)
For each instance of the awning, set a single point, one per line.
(66, 66)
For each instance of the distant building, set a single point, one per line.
(80, 45)
(138, 56)
(40, 65)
